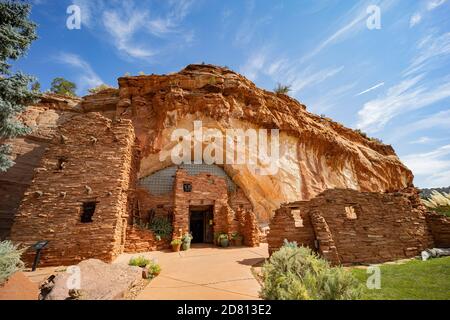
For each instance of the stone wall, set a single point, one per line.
(292, 222)
(440, 229)
(357, 227)
(206, 190)
(27, 152)
(143, 240)
(88, 161)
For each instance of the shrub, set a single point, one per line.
(438, 202)
(10, 261)
(161, 226)
(175, 242)
(282, 89)
(99, 88)
(154, 269)
(140, 261)
(296, 273)
(187, 237)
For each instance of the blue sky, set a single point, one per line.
(392, 82)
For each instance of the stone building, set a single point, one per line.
(97, 168)
(346, 226)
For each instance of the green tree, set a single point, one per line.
(16, 34)
(63, 87)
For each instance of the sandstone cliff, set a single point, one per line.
(315, 153)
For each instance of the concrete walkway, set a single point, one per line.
(203, 273)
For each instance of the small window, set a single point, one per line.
(61, 163)
(88, 212)
(187, 187)
(351, 213)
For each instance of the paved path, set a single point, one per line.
(203, 273)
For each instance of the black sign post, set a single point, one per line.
(38, 246)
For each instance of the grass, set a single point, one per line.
(413, 280)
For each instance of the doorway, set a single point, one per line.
(201, 224)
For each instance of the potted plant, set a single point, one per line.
(154, 269)
(237, 239)
(176, 244)
(223, 240)
(186, 239)
(140, 261)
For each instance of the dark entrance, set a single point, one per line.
(201, 224)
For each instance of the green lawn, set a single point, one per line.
(412, 280)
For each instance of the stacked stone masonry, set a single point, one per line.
(347, 226)
(88, 162)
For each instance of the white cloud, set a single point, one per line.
(431, 49)
(254, 65)
(88, 78)
(434, 4)
(415, 19)
(371, 88)
(352, 23)
(414, 91)
(422, 140)
(123, 30)
(309, 78)
(404, 97)
(433, 166)
(126, 24)
(323, 103)
(439, 120)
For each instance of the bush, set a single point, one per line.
(296, 273)
(161, 226)
(154, 269)
(282, 89)
(10, 261)
(99, 88)
(140, 261)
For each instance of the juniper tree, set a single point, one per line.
(16, 34)
(63, 87)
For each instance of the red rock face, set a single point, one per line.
(315, 153)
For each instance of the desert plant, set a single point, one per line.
(99, 88)
(10, 259)
(140, 261)
(154, 269)
(438, 202)
(186, 239)
(161, 226)
(297, 273)
(282, 89)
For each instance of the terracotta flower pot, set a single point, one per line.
(237, 242)
(176, 247)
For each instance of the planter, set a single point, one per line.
(224, 243)
(186, 246)
(176, 247)
(237, 242)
